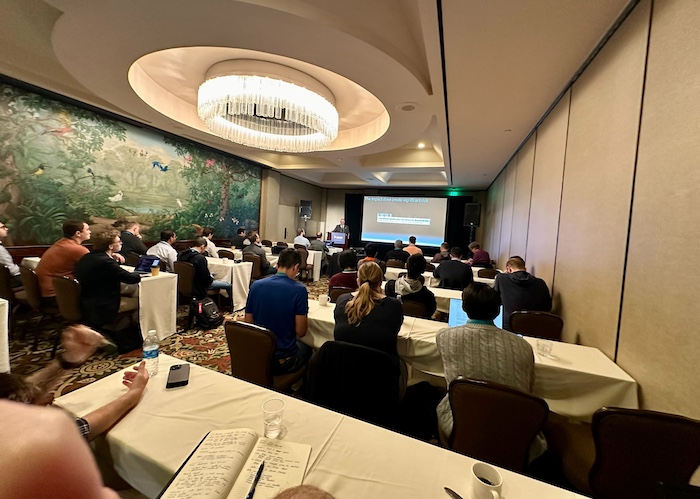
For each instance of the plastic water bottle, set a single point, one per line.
(150, 352)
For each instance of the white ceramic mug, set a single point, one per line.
(486, 481)
(323, 300)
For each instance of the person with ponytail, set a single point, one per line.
(367, 317)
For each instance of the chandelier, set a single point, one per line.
(268, 106)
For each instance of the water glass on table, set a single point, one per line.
(544, 347)
(273, 410)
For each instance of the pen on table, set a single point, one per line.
(255, 481)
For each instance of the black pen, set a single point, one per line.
(255, 481)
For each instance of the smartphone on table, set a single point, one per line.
(179, 375)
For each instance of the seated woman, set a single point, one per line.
(410, 287)
(481, 257)
(367, 317)
(102, 295)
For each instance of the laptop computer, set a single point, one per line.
(458, 317)
(145, 263)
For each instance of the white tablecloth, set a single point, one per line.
(238, 274)
(349, 458)
(158, 304)
(4, 333)
(576, 382)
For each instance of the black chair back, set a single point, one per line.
(224, 253)
(414, 309)
(68, 298)
(487, 273)
(537, 324)
(494, 422)
(355, 380)
(636, 449)
(185, 279)
(255, 260)
(397, 264)
(337, 291)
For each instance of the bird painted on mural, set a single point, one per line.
(163, 168)
(179, 203)
(117, 197)
(39, 169)
(89, 170)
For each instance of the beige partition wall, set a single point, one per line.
(494, 210)
(659, 336)
(599, 169)
(521, 199)
(546, 193)
(510, 175)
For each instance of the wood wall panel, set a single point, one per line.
(659, 340)
(510, 175)
(521, 200)
(494, 207)
(546, 193)
(600, 156)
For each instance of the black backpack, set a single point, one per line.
(206, 314)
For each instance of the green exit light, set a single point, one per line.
(453, 193)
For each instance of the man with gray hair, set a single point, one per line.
(397, 253)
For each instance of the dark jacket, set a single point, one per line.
(522, 291)
(396, 254)
(202, 276)
(423, 295)
(100, 277)
(454, 274)
(131, 244)
(237, 241)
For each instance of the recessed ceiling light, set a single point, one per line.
(339, 160)
(407, 106)
(421, 145)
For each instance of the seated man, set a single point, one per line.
(256, 248)
(521, 290)
(348, 277)
(454, 274)
(481, 258)
(412, 249)
(397, 253)
(63, 255)
(164, 249)
(281, 304)
(79, 343)
(301, 238)
(443, 255)
(237, 240)
(481, 350)
(318, 245)
(6, 260)
(371, 251)
(212, 250)
(131, 240)
(102, 294)
(410, 287)
(203, 280)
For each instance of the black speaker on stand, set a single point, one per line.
(305, 211)
(472, 219)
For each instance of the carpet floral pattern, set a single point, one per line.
(205, 348)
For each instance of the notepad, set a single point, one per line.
(224, 464)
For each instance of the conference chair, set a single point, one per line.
(68, 298)
(162, 265)
(251, 348)
(224, 253)
(337, 291)
(487, 273)
(369, 392)
(185, 288)
(257, 266)
(636, 449)
(394, 263)
(40, 309)
(305, 267)
(266, 242)
(494, 422)
(537, 324)
(429, 267)
(131, 259)
(414, 309)
(16, 297)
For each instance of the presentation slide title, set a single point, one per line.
(379, 199)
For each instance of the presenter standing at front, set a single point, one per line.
(341, 227)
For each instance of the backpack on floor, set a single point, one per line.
(206, 314)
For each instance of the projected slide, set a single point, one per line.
(387, 218)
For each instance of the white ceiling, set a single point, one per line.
(505, 61)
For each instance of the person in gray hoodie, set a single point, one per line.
(410, 287)
(521, 290)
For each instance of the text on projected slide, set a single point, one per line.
(388, 218)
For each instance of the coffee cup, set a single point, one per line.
(155, 270)
(486, 481)
(323, 300)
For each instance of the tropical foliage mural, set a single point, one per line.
(60, 162)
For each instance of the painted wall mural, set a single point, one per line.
(60, 162)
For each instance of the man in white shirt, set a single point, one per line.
(6, 259)
(212, 250)
(301, 239)
(164, 249)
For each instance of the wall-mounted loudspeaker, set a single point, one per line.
(472, 214)
(304, 209)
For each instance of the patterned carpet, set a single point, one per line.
(204, 348)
